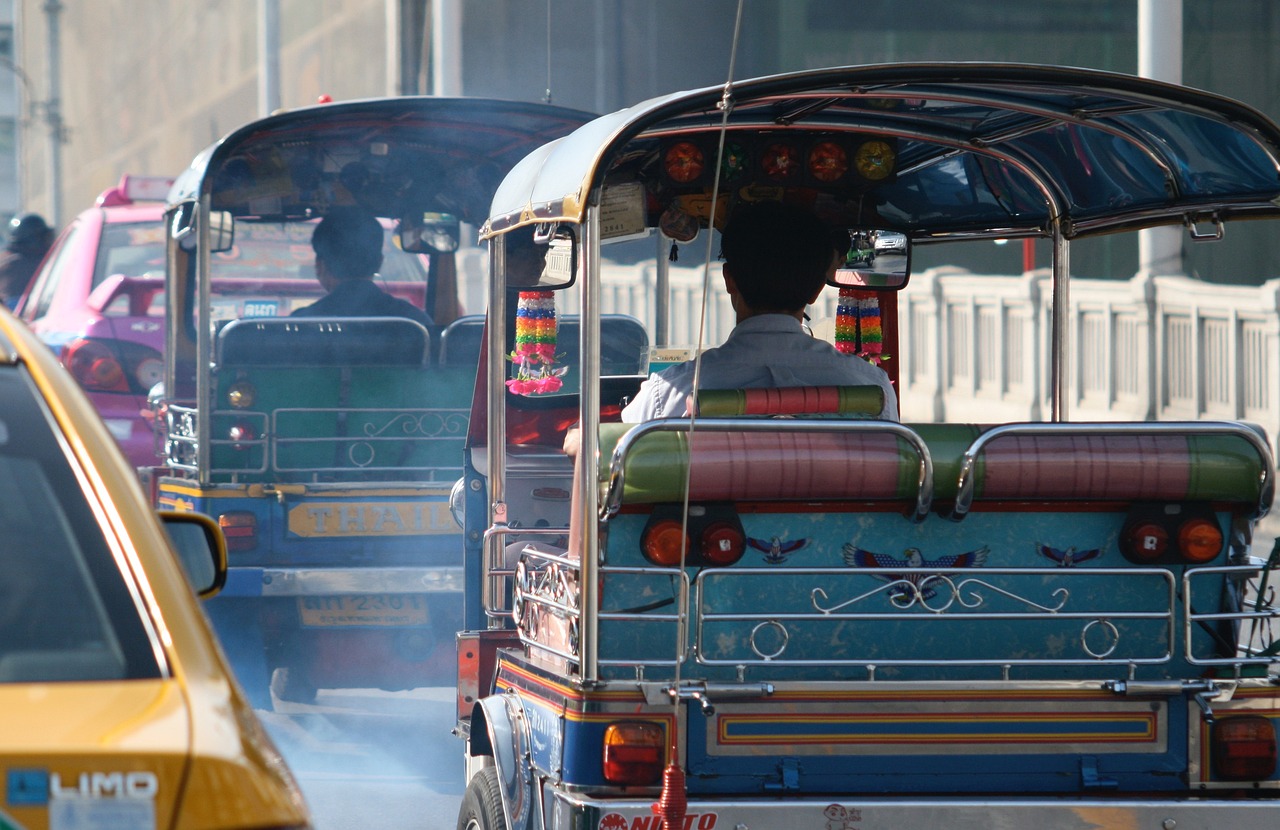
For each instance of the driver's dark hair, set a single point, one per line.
(349, 240)
(777, 254)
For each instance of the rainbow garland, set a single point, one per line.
(858, 329)
(535, 352)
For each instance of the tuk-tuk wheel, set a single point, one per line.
(482, 805)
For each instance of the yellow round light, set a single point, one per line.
(241, 395)
(874, 160)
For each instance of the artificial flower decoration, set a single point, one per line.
(535, 352)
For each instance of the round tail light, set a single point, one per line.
(664, 543)
(1199, 540)
(722, 544)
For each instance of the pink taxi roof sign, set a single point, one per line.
(133, 188)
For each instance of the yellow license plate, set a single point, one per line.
(364, 609)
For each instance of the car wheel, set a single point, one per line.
(482, 805)
(292, 684)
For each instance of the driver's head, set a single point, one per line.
(778, 255)
(349, 243)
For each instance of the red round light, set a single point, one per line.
(684, 162)
(1148, 542)
(779, 162)
(664, 543)
(1199, 540)
(241, 432)
(828, 161)
(722, 544)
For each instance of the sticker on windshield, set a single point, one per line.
(261, 309)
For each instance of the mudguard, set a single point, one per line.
(508, 732)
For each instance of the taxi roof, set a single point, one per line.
(981, 148)
(404, 153)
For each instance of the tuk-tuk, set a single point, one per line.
(327, 445)
(780, 610)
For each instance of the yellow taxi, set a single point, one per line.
(117, 707)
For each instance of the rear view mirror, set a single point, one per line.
(429, 233)
(875, 259)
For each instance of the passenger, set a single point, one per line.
(29, 240)
(348, 246)
(776, 261)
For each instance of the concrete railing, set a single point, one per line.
(975, 348)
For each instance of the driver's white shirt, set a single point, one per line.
(764, 351)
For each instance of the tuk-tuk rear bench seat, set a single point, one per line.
(854, 526)
(335, 399)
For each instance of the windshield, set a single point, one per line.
(270, 271)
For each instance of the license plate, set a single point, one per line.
(363, 609)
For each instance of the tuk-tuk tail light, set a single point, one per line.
(633, 753)
(1244, 748)
(240, 528)
(1199, 540)
(242, 394)
(723, 543)
(662, 543)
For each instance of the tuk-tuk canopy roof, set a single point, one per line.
(392, 155)
(957, 149)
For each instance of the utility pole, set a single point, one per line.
(1160, 58)
(268, 57)
(53, 113)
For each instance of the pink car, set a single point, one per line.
(98, 301)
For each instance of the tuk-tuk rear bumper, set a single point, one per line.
(286, 582)
(857, 813)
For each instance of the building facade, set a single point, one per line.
(141, 86)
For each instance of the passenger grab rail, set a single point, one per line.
(966, 486)
(681, 452)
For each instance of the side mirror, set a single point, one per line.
(221, 231)
(201, 548)
(875, 259)
(182, 227)
(430, 232)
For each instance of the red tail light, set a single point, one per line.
(1199, 540)
(633, 753)
(1244, 748)
(664, 542)
(113, 365)
(722, 544)
(94, 366)
(240, 529)
(1147, 542)
(242, 434)
(684, 162)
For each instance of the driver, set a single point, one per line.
(348, 246)
(776, 261)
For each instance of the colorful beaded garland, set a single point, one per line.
(535, 352)
(858, 329)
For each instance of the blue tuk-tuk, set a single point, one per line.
(781, 611)
(327, 446)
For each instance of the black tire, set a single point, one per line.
(293, 685)
(482, 805)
